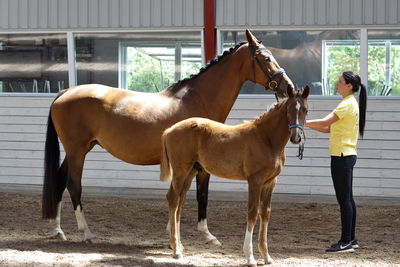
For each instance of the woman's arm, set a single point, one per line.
(322, 125)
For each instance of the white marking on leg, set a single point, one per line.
(168, 228)
(248, 247)
(82, 225)
(203, 229)
(56, 224)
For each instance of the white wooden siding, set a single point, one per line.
(22, 133)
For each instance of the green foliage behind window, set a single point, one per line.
(151, 74)
(341, 58)
(346, 57)
(148, 74)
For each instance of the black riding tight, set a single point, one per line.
(342, 176)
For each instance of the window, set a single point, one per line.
(300, 53)
(153, 66)
(384, 62)
(145, 61)
(338, 56)
(33, 63)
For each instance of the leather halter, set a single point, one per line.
(272, 83)
(302, 137)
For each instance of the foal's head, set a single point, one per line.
(266, 69)
(297, 109)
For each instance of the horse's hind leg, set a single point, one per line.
(74, 186)
(202, 181)
(56, 223)
(265, 213)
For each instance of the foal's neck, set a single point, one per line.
(274, 126)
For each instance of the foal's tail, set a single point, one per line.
(52, 182)
(165, 166)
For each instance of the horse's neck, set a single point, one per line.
(219, 86)
(274, 127)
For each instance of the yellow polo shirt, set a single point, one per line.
(344, 132)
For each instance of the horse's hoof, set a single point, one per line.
(214, 242)
(59, 235)
(88, 238)
(178, 256)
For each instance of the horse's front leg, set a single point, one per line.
(202, 181)
(265, 213)
(252, 213)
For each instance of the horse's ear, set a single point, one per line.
(251, 38)
(289, 91)
(306, 92)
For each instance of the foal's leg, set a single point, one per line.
(173, 197)
(202, 180)
(253, 204)
(74, 186)
(186, 185)
(56, 223)
(265, 213)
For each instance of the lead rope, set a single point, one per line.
(301, 145)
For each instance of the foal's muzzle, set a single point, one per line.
(299, 138)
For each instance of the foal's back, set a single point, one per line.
(226, 151)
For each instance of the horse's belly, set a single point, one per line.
(143, 151)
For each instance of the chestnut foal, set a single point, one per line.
(252, 151)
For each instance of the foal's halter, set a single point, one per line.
(272, 84)
(303, 138)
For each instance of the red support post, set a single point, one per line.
(209, 30)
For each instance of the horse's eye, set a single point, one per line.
(268, 59)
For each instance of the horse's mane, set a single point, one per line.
(177, 85)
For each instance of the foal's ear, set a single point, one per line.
(251, 39)
(289, 91)
(306, 92)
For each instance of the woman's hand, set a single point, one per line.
(322, 125)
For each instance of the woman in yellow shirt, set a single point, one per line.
(344, 123)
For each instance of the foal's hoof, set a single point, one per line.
(88, 241)
(268, 260)
(59, 235)
(214, 242)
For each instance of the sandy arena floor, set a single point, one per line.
(131, 232)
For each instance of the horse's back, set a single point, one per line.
(127, 124)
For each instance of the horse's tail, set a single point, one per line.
(52, 181)
(165, 165)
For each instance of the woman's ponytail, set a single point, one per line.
(363, 108)
(355, 80)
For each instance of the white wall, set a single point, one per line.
(22, 133)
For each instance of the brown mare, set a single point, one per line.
(129, 124)
(252, 151)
